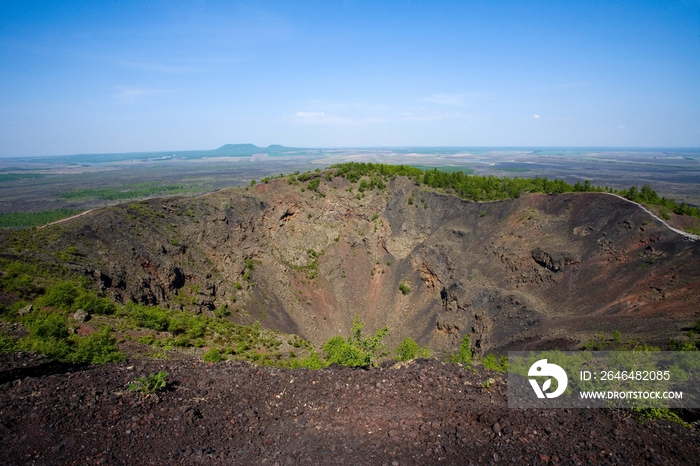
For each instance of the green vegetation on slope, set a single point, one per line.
(49, 335)
(491, 188)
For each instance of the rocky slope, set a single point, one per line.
(535, 272)
(426, 412)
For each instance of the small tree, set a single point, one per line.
(356, 351)
(464, 353)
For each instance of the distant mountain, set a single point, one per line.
(238, 148)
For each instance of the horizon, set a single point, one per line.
(135, 77)
(332, 148)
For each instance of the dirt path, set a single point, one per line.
(66, 219)
(684, 234)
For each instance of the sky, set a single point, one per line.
(122, 76)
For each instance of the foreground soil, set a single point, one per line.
(234, 413)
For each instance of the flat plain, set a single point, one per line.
(83, 182)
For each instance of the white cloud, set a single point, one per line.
(536, 116)
(622, 126)
(446, 99)
(406, 116)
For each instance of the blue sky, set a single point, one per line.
(95, 77)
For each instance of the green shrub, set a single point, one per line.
(7, 343)
(197, 328)
(496, 364)
(313, 361)
(151, 384)
(148, 317)
(147, 340)
(45, 325)
(676, 345)
(407, 349)
(47, 335)
(339, 351)
(213, 355)
(182, 341)
(22, 285)
(61, 295)
(20, 278)
(424, 352)
(222, 311)
(464, 353)
(178, 324)
(404, 288)
(313, 184)
(653, 414)
(53, 348)
(356, 351)
(98, 348)
(89, 302)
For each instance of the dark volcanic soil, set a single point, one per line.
(234, 413)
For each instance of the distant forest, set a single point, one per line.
(32, 219)
(491, 188)
(134, 191)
